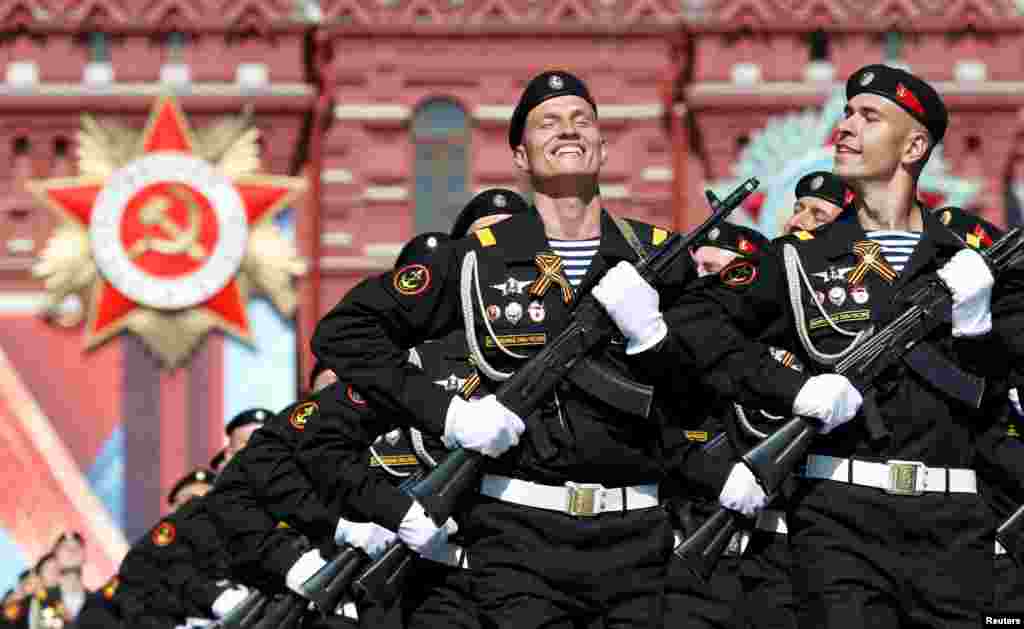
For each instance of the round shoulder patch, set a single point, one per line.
(12, 611)
(354, 396)
(738, 273)
(111, 587)
(164, 534)
(301, 414)
(412, 279)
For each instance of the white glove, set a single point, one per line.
(373, 539)
(484, 425)
(419, 533)
(742, 492)
(633, 305)
(829, 397)
(307, 565)
(228, 599)
(1015, 401)
(969, 280)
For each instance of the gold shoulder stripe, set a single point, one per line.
(394, 460)
(804, 235)
(658, 236)
(486, 237)
(699, 436)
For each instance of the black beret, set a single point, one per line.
(218, 458)
(198, 475)
(916, 97)
(246, 417)
(825, 185)
(541, 88)
(488, 203)
(421, 248)
(743, 240)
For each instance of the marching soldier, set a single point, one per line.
(179, 571)
(697, 473)
(445, 600)
(276, 529)
(887, 527)
(765, 572)
(820, 198)
(542, 552)
(240, 429)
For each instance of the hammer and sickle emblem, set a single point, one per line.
(182, 240)
(411, 280)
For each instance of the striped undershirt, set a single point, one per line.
(576, 256)
(897, 245)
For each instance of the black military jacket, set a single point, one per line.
(339, 425)
(265, 506)
(175, 572)
(366, 335)
(726, 326)
(100, 611)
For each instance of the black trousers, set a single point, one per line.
(766, 582)
(1009, 586)
(690, 603)
(542, 569)
(865, 558)
(439, 597)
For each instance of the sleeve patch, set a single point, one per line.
(738, 273)
(411, 280)
(301, 415)
(164, 534)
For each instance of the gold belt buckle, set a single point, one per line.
(906, 478)
(583, 499)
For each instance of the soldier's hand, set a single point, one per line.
(419, 533)
(969, 280)
(742, 492)
(484, 425)
(227, 600)
(829, 397)
(300, 572)
(633, 305)
(373, 539)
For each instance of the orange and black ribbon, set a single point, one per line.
(470, 386)
(550, 267)
(870, 258)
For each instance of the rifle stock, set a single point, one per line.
(283, 612)
(245, 614)
(330, 584)
(589, 328)
(701, 551)
(1009, 535)
(777, 456)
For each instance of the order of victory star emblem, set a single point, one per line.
(167, 230)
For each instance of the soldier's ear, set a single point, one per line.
(520, 158)
(917, 148)
(604, 150)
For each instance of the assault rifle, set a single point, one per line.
(589, 329)
(1009, 535)
(779, 454)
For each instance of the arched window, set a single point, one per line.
(441, 137)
